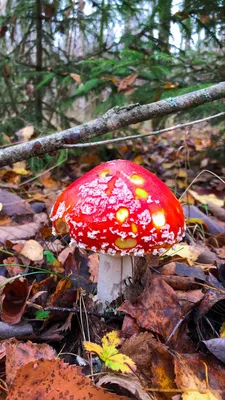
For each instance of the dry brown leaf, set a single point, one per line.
(152, 359)
(16, 232)
(132, 384)
(13, 204)
(19, 353)
(48, 182)
(14, 269)
(32, 250)
(54, 379)
(219, 212)
(156, 309)
(62, 287)
(127, 82)
(190, 371)
(14, 297)
(76, 78)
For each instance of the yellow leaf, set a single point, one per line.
(222, 330)
(205, 198)
(111, 339)
(108, 352)
(121, 362)
(20, 168)
(110, 355)
(94, 348)
(198, 396)
(188, 252)
(194, 221)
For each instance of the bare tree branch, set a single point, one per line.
(115, 118)
(143, 135)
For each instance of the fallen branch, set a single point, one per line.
(143, 135)
(115, 118)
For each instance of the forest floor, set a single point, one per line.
(173, 330)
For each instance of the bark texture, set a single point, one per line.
(115, 118)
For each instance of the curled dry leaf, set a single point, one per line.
(22, 329)
(216, 347)
(32, 250)
(131, 384)
(14, 297)
(19, 353)
(49, 379)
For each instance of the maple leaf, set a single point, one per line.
(110, 355)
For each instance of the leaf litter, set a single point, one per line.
(163, 339)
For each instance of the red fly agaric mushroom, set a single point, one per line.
(119, 209)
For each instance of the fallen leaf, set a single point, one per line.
(63, 286)
(156, 309)
(26, 133)
(205, 198)
(49, 379)
(13, 204)
(152, 358)
(19, 353)
(213, 226)
(22, 329)
(133, 385)
(110, 355)
(199, 396)
(11, 264)
(191, 370)
(219, 212)
(16, 232)
(32, 250)
(20, 168)
(216, 347)
(14, 297)
(190, 253)
(48, 182)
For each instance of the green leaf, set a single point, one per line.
(50, 258)
(41, 314)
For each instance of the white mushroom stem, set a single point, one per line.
(113, 271)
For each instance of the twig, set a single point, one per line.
(134, 137)
(115, 118)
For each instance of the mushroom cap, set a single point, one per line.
(119, 208)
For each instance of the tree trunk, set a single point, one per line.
(39, 56)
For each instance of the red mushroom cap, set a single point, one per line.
(120, 208)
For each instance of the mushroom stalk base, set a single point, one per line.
(113, 271)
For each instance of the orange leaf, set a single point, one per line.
(48, 379)
(76, 77)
